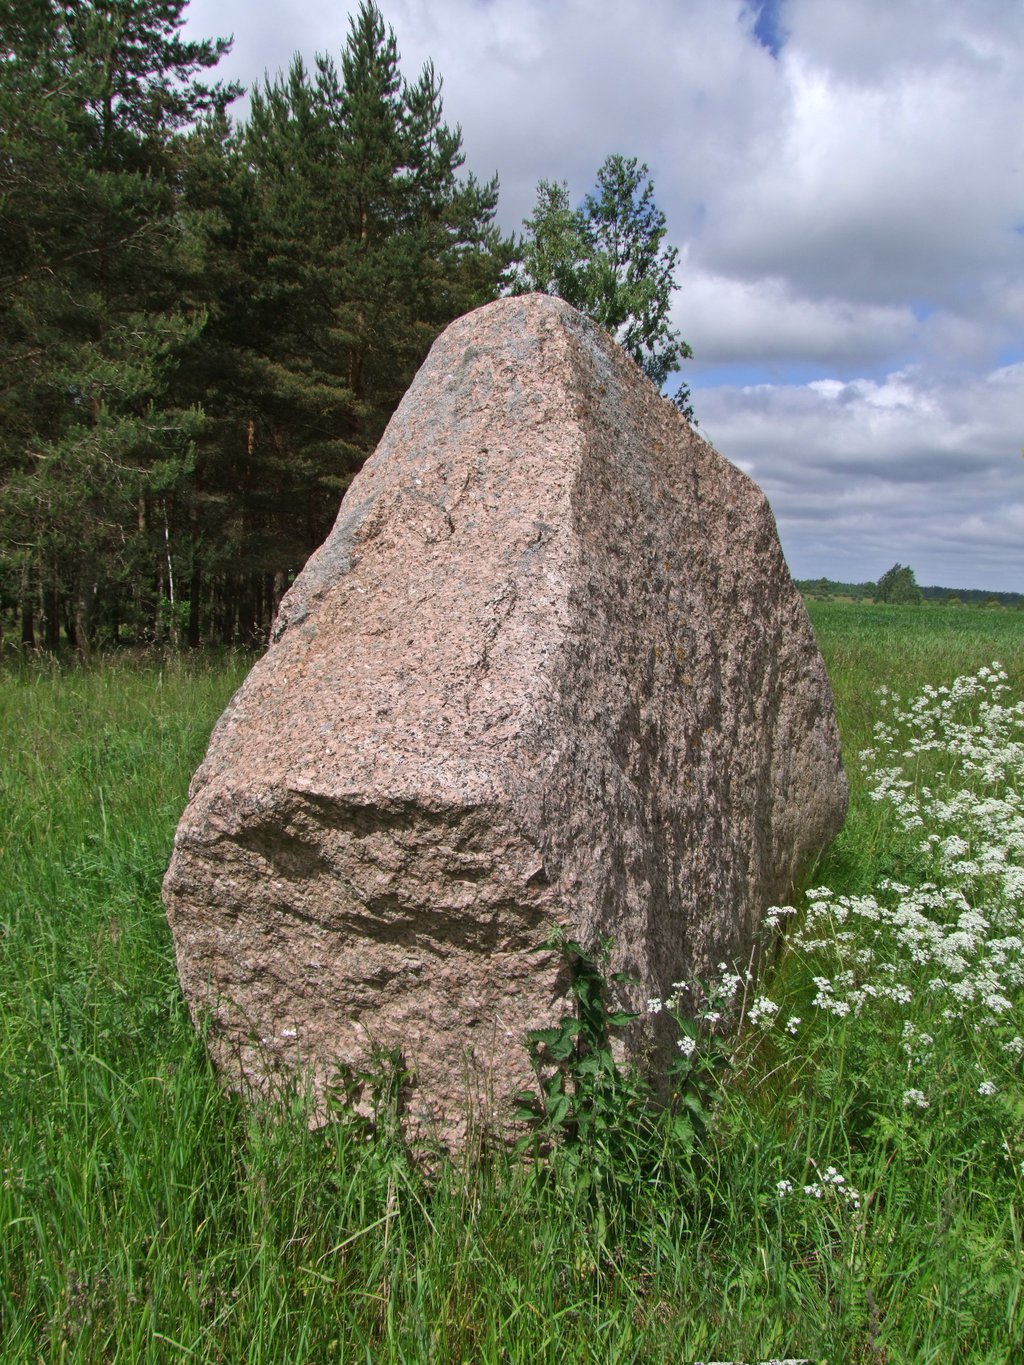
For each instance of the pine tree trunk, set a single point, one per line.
(228, 612)
(80, 628)
(51, 618)
(280, 588)
(195, 589)
(84, 606)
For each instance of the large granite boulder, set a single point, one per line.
(548, 668)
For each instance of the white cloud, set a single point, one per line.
(729, 320)
(861, 39)
(906, 188)
(865, 473)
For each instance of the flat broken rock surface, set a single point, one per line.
(549, 667)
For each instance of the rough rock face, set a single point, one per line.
(548, 667)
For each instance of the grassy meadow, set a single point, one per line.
(857, 1192)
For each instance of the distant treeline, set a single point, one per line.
(868, 592)
(205, 327)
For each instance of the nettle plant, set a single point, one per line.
(611, 1131)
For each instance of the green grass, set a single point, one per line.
(147, 1216)
(866, 645)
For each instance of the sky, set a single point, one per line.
(844, 181)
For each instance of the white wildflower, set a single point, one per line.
(915, 1097)
(763, 1011)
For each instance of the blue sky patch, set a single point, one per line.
(786, 374)
(768, 27)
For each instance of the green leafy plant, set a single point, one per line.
(611, 1133)
(608, 258)
(576, 1072)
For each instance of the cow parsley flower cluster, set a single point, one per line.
(958, 934)
(909, 1001)
(718, 1000)
(831, 1184)
(762, 1011)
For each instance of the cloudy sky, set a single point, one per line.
(844, 180)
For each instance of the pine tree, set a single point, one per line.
(94, 306)
(360, 242)
(204, 330)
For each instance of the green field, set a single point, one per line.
(857, 1194)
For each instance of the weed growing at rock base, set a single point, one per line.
(596, 1127)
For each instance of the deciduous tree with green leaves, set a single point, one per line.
(898, 586)
(609, 259)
